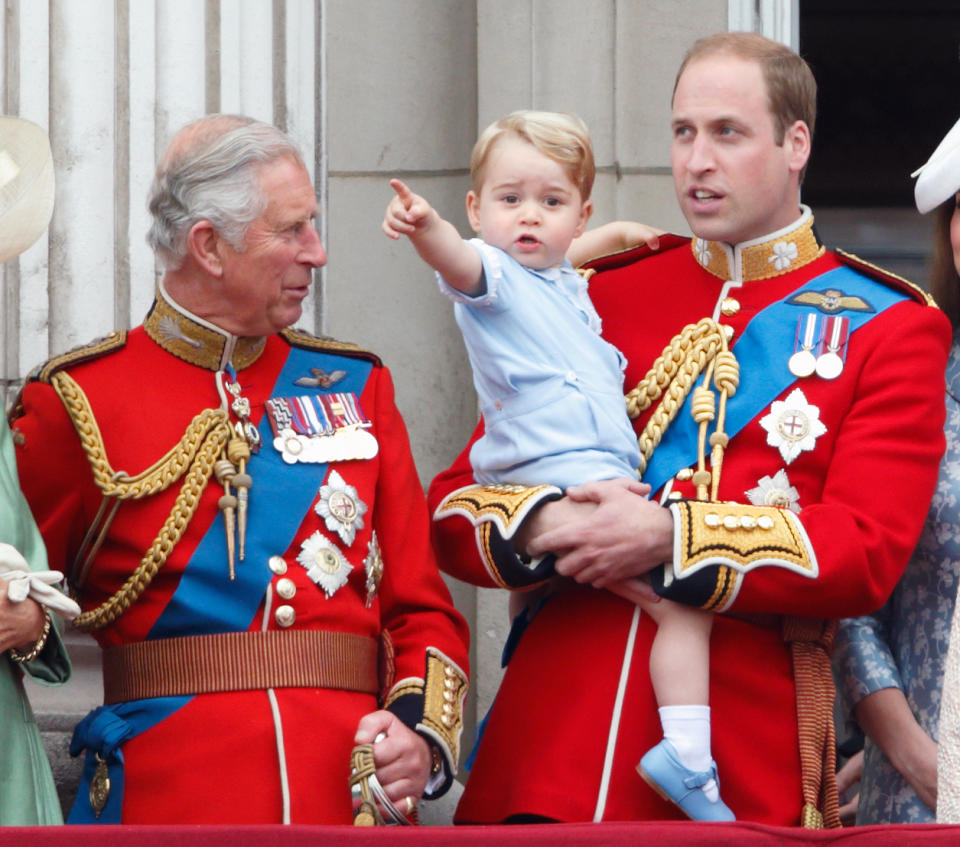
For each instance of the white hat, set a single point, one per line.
(940, 176)
(26, 185)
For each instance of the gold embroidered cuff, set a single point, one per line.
(445, 688)
(496, 512)
(738, 536)
(506, 506)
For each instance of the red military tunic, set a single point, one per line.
(272, 753)
(576, 710)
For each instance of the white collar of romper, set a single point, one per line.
(195, 340)
(769, 256)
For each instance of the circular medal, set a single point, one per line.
(829, 366)
(802, 363)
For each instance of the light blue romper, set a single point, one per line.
(550, 388)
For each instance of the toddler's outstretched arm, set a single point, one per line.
(435, 239)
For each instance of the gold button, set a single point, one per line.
(285, 616)
(765, 522)
(728, 331)
(730, 306)
(684, 474)
(730, 522)
(712, 519)
(277, 565)
(748, 522)
(286, 588)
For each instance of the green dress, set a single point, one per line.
(27, 793)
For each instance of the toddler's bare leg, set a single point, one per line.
(680, 653)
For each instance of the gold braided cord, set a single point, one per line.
(201, 445)
(673, 376)
(161, 474)
(173, 528)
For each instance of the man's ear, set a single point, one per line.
(473, 210)
(797, 143)
(204, 245)
(585, 211)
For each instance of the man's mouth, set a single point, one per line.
(704, 194)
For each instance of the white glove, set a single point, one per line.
(38, 585)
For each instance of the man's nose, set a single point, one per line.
(313, 253)
(700, 156)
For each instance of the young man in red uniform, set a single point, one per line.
(239, 513)
(789, 487)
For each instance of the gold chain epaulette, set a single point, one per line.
(305, 341)
(194, 456)
(116, 340)
(885, 276)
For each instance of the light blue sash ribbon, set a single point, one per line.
(764, 374)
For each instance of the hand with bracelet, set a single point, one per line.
(23, 625)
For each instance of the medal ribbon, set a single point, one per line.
(201, 605)
(762, 380)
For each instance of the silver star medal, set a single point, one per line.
(341, 507)
(373, 565)
(325, 564)
(793, 425)
(777, 491)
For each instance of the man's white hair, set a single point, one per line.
(210, 172)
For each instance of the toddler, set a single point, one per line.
(550, 388)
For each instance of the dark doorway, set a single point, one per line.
(889, 89)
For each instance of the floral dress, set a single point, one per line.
(904, 645)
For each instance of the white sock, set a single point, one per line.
(687, 728)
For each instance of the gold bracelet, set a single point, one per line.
(23, 658)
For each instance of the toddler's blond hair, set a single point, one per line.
(560, 136)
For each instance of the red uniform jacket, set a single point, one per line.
(576, 710)
(241, 756)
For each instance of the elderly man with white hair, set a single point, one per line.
(239, 513)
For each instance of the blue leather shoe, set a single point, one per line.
(666, 774)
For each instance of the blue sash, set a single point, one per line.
(764, 375)
(205, 602)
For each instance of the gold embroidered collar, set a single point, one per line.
(197, 341)
(762, 258)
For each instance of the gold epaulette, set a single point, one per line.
(914, 291)
(116, 340)
(325, 344)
